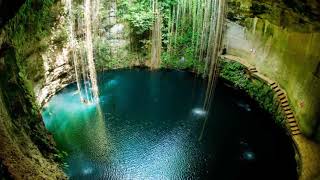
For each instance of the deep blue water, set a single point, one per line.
(149, 127)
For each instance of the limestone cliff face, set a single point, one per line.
(116, 33)
(27, 151)
(57, 68)
(57, 65)
(282, 40)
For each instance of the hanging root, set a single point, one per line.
(213, 66)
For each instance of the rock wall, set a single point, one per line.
(114, 32)
(114, 38)
(58, 69)
(118, 40)
(26, 149)
(284, 46)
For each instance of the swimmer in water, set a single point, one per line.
(85, 101)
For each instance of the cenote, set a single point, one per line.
(149, 124)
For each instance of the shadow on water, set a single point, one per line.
(150, 126)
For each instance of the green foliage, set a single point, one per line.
(140, 17)
(60, 157)
(258, 8)
(235, 12)
(234, 72)
(138, 13)
(30, 25)
(105, 59)
(183, 56)
(183, 60)
(187, 62)
(28, 33)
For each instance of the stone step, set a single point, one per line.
(284, 104)
(293, 124)
(282, 97)
(294, 128)
(291, 120)
(277, 90)
(280, 93)
(274, 86)
(286, 108)
(295, 132)
(288, 112)
(290, 116)
(284, 100)
(273, 83)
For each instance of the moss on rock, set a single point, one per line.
(27, 150)
(282, 43)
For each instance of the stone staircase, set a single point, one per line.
(282, 98)
(281, 95)
(252, 69)
(308, 152)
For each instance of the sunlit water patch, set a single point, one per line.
(147, 126)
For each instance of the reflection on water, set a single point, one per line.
(71, 120)
(199, 112)
(147, 127)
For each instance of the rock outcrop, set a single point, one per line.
(116, 34)
(117, 40)
(58, 70)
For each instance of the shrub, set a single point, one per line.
(234, 72)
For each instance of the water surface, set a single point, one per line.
(149, 124)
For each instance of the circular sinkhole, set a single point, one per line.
(148, 126)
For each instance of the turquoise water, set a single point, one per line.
(147, 126)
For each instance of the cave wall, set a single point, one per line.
(282, 40)
(27, 151)
(39, 36)
(57, 66)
